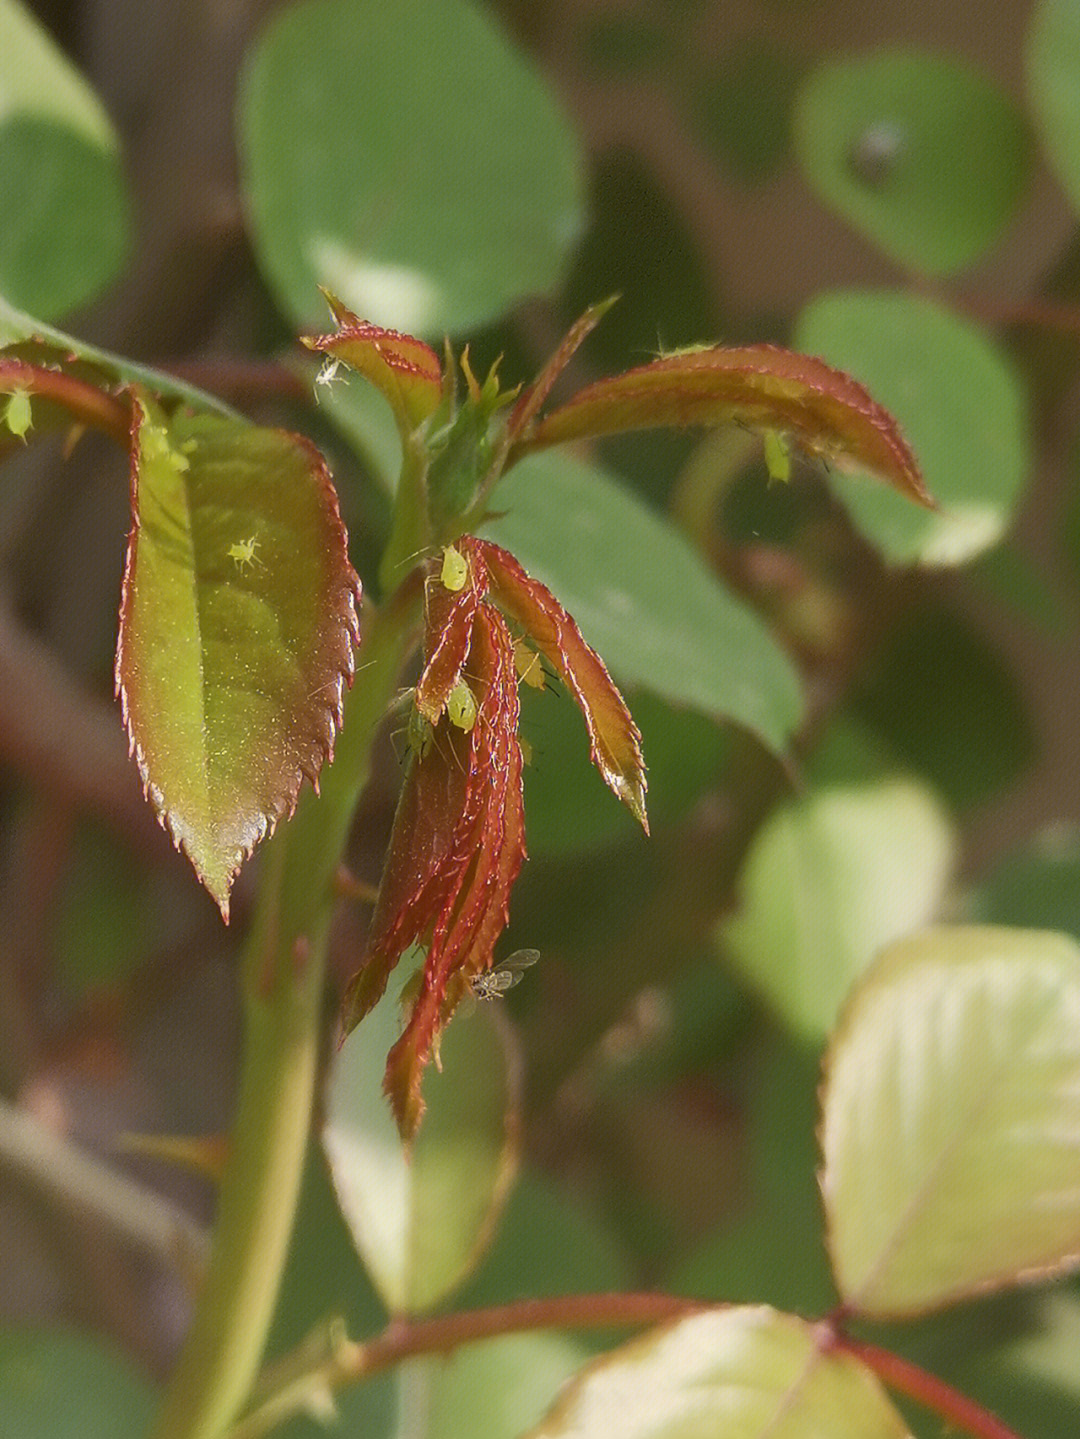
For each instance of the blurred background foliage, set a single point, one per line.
(893, 187)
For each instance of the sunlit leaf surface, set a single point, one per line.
(237, 629)
(421, 170)
(830, 879)
(951, 1129)
(421, 1218)
(748, 1373)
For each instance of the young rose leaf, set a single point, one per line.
(742, 1373)
(614, 738)
(405, 370)
(951, 1119)
(237, 626)
(761, 386)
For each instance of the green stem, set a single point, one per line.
(284, 964)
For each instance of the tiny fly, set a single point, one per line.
(495, 983)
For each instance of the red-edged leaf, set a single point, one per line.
(531, 400)
(490, 842)
(419, 867)
(761, 386)
(237, 627)
(615, 743)
(407, 371)
(449, 616)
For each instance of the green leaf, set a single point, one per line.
(1037, 886)
(742, 110)
(566, 809)
(946, 704)
(547, 1243)
(828, 881)
(61, 1385)
(919, 152)
(496, 1389)
(421, 171)
(237, 628)
(324, 1281)
(422, 1216)
(104, 918)
(951, 1119)
(771, 1251)
(643, 598)
(69, 232)
(43, 344)
(959, 404)
(747, 1373)
(1053, 69)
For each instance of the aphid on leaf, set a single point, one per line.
(327, 374)
(777, 456)
(419, 734)
(17, 413)
(495, 983)
(243, 555)
(455, 569)
(527, 663)
(461, 706)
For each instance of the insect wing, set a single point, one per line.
(505, 975)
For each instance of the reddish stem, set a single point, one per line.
(88, 403)
(405, 1339)
(926, 1389)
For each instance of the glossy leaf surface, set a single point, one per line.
(747, 1373)
(921, 153)
(421, 171)
(960, 404)
(237, 629)
(421, 1218)
(830, 879)
(55, 1384)
(951, 1119)
(642, 597)
(760, 386)
(67, 236)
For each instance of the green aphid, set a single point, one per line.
(777, 456)
(17, 414)
(461, 706)
(455, 569)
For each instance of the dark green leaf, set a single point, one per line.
(1054, 81)
(945, 703)
(920, 152)
(61, 1385)
(421, 171)
(958, 402)
(643, 598)
(67, 235)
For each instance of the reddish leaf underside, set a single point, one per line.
(237, 628)
(404, 369)
(487, 853)
(762, 386)
(615, 741)
(449, 616)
